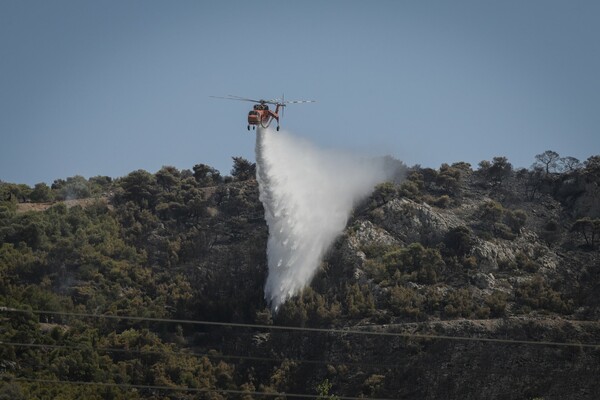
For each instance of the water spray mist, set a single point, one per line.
(308, 194)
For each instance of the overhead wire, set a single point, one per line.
(127, 386)
(595, 346)
(195, 354)
(250, 358)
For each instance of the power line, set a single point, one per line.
(185, 389)
(304, 329)
(209, 355)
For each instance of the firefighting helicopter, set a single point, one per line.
(261, 114)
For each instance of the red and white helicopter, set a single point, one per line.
(261, 114)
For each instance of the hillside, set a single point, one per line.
(457, 283)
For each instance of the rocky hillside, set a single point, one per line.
(455, 284)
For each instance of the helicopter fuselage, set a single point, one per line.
(262, 116)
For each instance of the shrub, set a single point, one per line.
(551, 232)
(515, 220)
(405, 302)
(401, 264)
(490, 213)
(359, 301)
(459, 240)
(537, 295)
(459, 303)
(496, 302)
(442, 201)
(410, 190)
(383, 193)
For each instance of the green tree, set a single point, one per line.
(75, 187)
(243, 169)
(140, 187)
(383, 193)
(168, 178)
(17, 193)
(100, 183)
(41, 193)
(495, 171)
(449, 179)
(359, 301)
(499, 170)
(206, 175)
(323, 389)
(459, 240)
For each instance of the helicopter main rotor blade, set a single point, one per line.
(243, 98)
(272, 101)
(236, 98)
(280, 102)
(299, 101)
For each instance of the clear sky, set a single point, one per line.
(108, 87)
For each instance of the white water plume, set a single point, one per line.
(308, 194)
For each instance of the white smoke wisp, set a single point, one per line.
(308, 195)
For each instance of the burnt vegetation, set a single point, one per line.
(489, 252)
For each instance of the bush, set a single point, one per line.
(537, 295)
(410, 190)
(449, 180)
(459, 303)
(490, 213)
(383, 193)
(515, 220)
(551, 232)
(497, 302)
(405, 302)
(442, 201)
(459, 240)
(524, 263)
(359, 301)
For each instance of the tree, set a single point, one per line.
(243, 169)
(14, 192)
(592, 168)
(587, 228)
(383, 193)
(448, 179)
(75, 187)
(459, 240)
(484, 166)
(41, 193)
(500, 169)
(532, 181)
(168, 178)
(140, 187)
(323, 389)
(495, 171)
(206, 175)
(100, 184)
(570, 164)
(548, 160)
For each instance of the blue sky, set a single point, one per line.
(108, 87)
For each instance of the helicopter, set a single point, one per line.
(261, 114)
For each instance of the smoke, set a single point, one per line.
(308, 194)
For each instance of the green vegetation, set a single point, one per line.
(191, 245)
